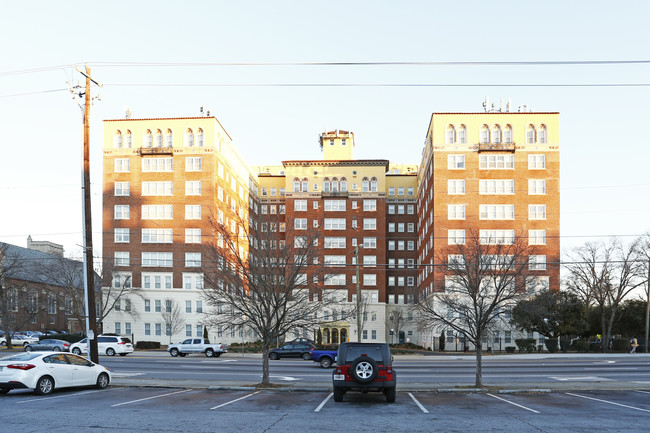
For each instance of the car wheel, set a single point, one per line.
(56, 349)
(209, 353)
(173, 352)
(45, 385)
(338, 394)
(28, 348)
(123, 354)
(102, 381)
(325, 362)
(390, 394)
(364, 369)
(76, 351)
(182, 355)
(306, 356)
(25, 344)
(110, 351)
(274, 356)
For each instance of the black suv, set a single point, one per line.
(364, 367)
(298, 350)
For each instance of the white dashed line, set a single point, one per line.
(512, 403)
(233, 401)
(150, 398)
(608, 402)
(320, 406)
(418, 403)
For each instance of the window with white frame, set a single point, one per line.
(537, 284)
(335, 280)
(507, 134)
(400, 227)
(370, 205)
(192, 236)
(537, 237)
(410, 191)
(121, 258)
(391, 245)
(157, 212)
(497, 211)
(531, 135)
(157, 236)
(157, 259)
(401, 245)
(391, 191)
(536, 186)
(456, 162)
(536, 211)
(450, 136)
(456, 211)
(335, 242)
(192, 260)
(334, 205)
(541, 134)
(334, 223)
(455, 261)
(410, 209)
(391, 281)
(121, 212)
(410, 245)
(536, 162)
(121, 236)
(122, 189)
(456, 237)
(199, 309)
(370, 242)
(193, 187)
(496, 237)
(299, 205)
(369, 279)
(193, 163)
(300, 223)
(391, 209)
(156, 280)
(498, 161)
(496, 186)
(122, 165)
(537, 263)
(411, 227)
(400, 190)
(192, 211)
(370, 223)
(484, 134)
(370, 261)
(157, 188)
(462, 134)
(400, 209)
(157, 165)
(192, 281)
(456, 186)
(334, 261)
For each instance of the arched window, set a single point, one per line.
(507, 134)
(33, 301)
(326, 184)
(296, 184)
(484, 134)
(451, 134)
(531, 136)
(344, 184)
(365, 184)
(129, 139)
(542, 137)
(496, 134)
(189, 138)
(148, 138)
(159, 138)
(462, 134)
(169, 138)
(373, 184)
(305, 184)
(117, 139)
(199, 137)
(335, 184)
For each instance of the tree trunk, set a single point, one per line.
(603, 326)
(266, 380)
(479, 365)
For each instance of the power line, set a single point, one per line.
(415, 85)
(11, 95)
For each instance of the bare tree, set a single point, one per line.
(476, 282)
(256, 279)
(173, 318)
(396, 320)
(117, 287)
(604, 274)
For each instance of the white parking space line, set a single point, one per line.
(643, 392)
(608, 402)
(320, 406)
(233, 401)
(512, 403)
(150, 398)
(418, 403)
(58, 396)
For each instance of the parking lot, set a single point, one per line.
(184, 409)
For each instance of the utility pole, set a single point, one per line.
(89, 274)
(359, 317)
(647, 311)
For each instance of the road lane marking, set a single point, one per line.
(608, 402)
(57, 396)
(235, 400)
(512, 403)
(643, 392)
(418, 403)
(151, 398)
(320, 406)
(583, 378)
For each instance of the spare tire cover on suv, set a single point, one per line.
(364, 369)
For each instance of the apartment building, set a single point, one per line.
(495, 174)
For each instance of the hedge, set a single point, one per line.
(527, 345)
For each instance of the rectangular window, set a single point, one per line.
(456, 211)
(370, 223)
(121, 236)
(537, 237)
(192, 211)
(188, 306)
(157, 188)
(158, 329)
(334, 205)
(410, 245)
(157, 236)
(456, 162)
(147, 305)
(193, 187)
(369, 279)
(400, 209)
(456, 186)
(497, 211)
(334, 224)
(147, 329)
(335, 280)
(411, 209)
(391, 190)
(121, 212)
(400, 190)
(391, 245)
(536, 186)
(334, 260)
(497, 237)
(192, 281)
(192, 236)
(118, 328)
(492, 161)
(536, 162)
(300, 224)
(391, 209)
(411, 227)
(370, 205)
(157, 259)
(157, 212)
(122, 165)
(335, 242)
(373, 334)
(199, 307)
(192, 260)
(370, 261)
(122, 189)
(151, 165)
(456, 237)
(300, 205)
(193, 163)
(536, 284)
(188, 330)
(121, 258)
(411, 191)
(536, 211)
(537, 263)
(496, 186)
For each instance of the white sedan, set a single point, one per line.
(19, 340)
(45, 371)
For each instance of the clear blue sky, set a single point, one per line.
(605, 145)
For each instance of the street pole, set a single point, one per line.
(647, 311)
(356, 255)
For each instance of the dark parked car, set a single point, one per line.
(300, 350)
(48, 345)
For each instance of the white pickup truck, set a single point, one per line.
(197, 345)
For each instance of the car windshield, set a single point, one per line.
(27, 356)
(374, 352)
(126, 340)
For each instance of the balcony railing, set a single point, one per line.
(156, 151)
(503, 147)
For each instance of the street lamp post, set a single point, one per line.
(356, 259)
